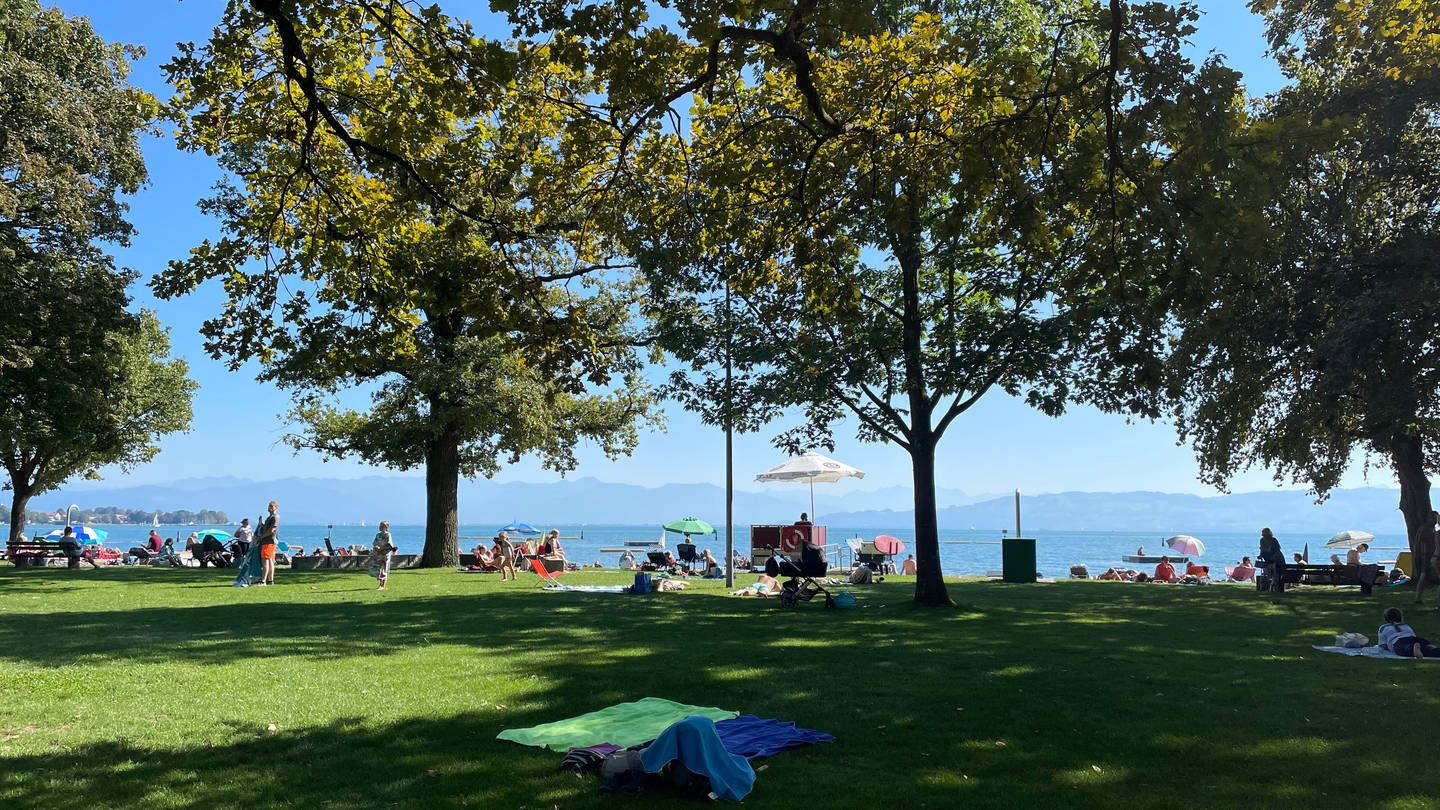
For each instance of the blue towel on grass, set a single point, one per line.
(695, 744)
(754, 737)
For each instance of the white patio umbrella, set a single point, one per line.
(810, 468)
(1348, 539)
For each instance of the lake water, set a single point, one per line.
(962, 553)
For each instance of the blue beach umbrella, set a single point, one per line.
(84, 534)
(519, 528)
(218, 534)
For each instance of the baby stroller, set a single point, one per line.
(801, 585)
(213, 552)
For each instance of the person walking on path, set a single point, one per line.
(269, 536)
(380, 552)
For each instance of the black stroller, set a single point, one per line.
(213, 552)
(801, 585)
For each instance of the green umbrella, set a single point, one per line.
(690, 525)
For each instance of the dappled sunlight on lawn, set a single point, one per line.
(1013, 700)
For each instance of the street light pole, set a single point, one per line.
(729, 456)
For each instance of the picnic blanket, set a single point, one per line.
(588, 588)
(754, 737)
(1368, 652)
(624, 724)
(695, 744)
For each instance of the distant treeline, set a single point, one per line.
(139, 517)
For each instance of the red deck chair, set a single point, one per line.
(548, 568)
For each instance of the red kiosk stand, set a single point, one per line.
(787, 539)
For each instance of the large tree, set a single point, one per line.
(928, 213)
(1296, 297)
(83, 383)
(103, 393)
(414, 210)
(69, 147)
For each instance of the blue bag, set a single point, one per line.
(642, 582)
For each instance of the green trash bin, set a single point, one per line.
(1018, 559)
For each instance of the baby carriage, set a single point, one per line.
(213, 552)
(801, 585)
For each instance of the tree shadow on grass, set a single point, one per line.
(1079, 695)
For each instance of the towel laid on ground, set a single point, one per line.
(558, 586)
(1368, 652)
(754, 737)
(694, 744)
(624, 724)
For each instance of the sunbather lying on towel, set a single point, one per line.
(1400, 638)
(765, 586)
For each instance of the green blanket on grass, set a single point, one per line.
(624, 724)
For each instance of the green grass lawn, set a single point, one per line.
(168, 688)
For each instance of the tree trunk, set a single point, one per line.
(1407, 455)
(17, 509)
(442, 508)
(929, 580)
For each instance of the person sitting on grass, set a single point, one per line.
(1165, 572)
(1400, 638)
(908, 567)
(711, 566)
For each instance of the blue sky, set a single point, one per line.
(999, 446)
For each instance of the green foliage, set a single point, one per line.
(104, 393)
(417, 211)
(83, 383)
(1300, 288)
(134, 517)
(925, 211)
(70, 126)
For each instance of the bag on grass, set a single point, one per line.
(623, 772)
(1352, 640)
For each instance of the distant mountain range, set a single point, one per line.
(401, 499)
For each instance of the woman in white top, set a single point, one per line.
(1400, 638)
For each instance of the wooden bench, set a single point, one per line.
(26, 553)
(1322, 574)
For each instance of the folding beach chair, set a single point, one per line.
(659, 561)
(686, 554)
(549, 569)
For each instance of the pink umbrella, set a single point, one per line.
(886, 544)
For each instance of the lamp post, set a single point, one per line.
(71, 508)
(729, 456)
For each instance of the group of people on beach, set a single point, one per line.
(505, 555)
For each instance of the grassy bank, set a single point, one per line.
(167, 688)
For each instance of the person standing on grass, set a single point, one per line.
(505, 556)
(243, 537)
(1272, 559)
(380, 552)
(269, 536)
